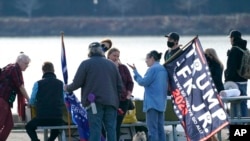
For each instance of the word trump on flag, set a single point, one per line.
(194, 96)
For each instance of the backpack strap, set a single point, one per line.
(240, 48)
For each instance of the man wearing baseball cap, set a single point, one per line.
(173, 45)
(235, 34)
(234, 57)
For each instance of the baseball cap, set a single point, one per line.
(235, 34)
(95, 45)
(173, 35)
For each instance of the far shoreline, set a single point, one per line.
(124, 26)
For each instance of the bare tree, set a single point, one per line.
(122, 5)
(190, 5)
(27, 6)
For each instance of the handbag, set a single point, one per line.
(130, 116)
(131, 105)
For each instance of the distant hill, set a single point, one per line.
(156, 25)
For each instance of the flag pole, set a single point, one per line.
(65, 81)
(179, 51)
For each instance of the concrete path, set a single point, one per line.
(21, 135)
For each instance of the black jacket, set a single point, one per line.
(169, 53)
(234, 60)
(49, 98)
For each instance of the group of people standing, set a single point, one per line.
(110, 81)
(234, 56)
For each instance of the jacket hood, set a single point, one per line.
(241, 43)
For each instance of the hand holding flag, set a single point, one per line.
(79, 114)
(194, 95)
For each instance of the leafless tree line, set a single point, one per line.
(35, 8)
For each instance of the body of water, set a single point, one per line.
(133, 50)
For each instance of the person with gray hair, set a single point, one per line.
(101, 83)
(96, 49)
(12, 85)
(23, 61)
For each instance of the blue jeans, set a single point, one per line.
(243, 104)
(155, 125)
(106, 115)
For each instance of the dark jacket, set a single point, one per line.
(233, 62)
(127, 80)
(169, 53)
(49, 98)
(99, 76)
(216, 73)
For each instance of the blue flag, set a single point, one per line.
(79, 115)
(194, 96)
(64, 63)
(78, 112)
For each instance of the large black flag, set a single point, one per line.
(194, 96)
